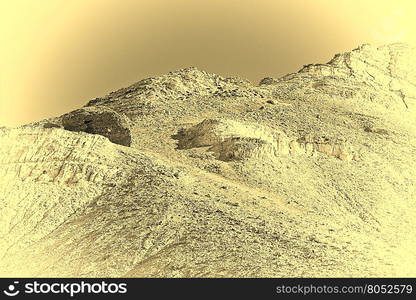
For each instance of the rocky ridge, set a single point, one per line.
(191, 174)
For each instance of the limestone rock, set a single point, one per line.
(232, 140)
(383, 75)
(47, 176)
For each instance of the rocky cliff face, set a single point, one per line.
(383, 76)
(194, 175)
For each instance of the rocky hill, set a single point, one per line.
(191, 174)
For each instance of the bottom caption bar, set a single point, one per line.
(84, 288)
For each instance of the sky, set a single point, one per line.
(57, 55)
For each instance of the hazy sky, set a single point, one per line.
(56, 55)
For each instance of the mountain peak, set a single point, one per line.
(383, 74)
(182, 84)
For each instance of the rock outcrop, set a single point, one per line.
(383, 75)
(47, 176)
(102, 121)
(232, 140)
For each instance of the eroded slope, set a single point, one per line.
(312, 174)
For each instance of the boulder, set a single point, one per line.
(102, 121)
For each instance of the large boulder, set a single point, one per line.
(102, 121)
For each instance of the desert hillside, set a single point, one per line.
(191, 174)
